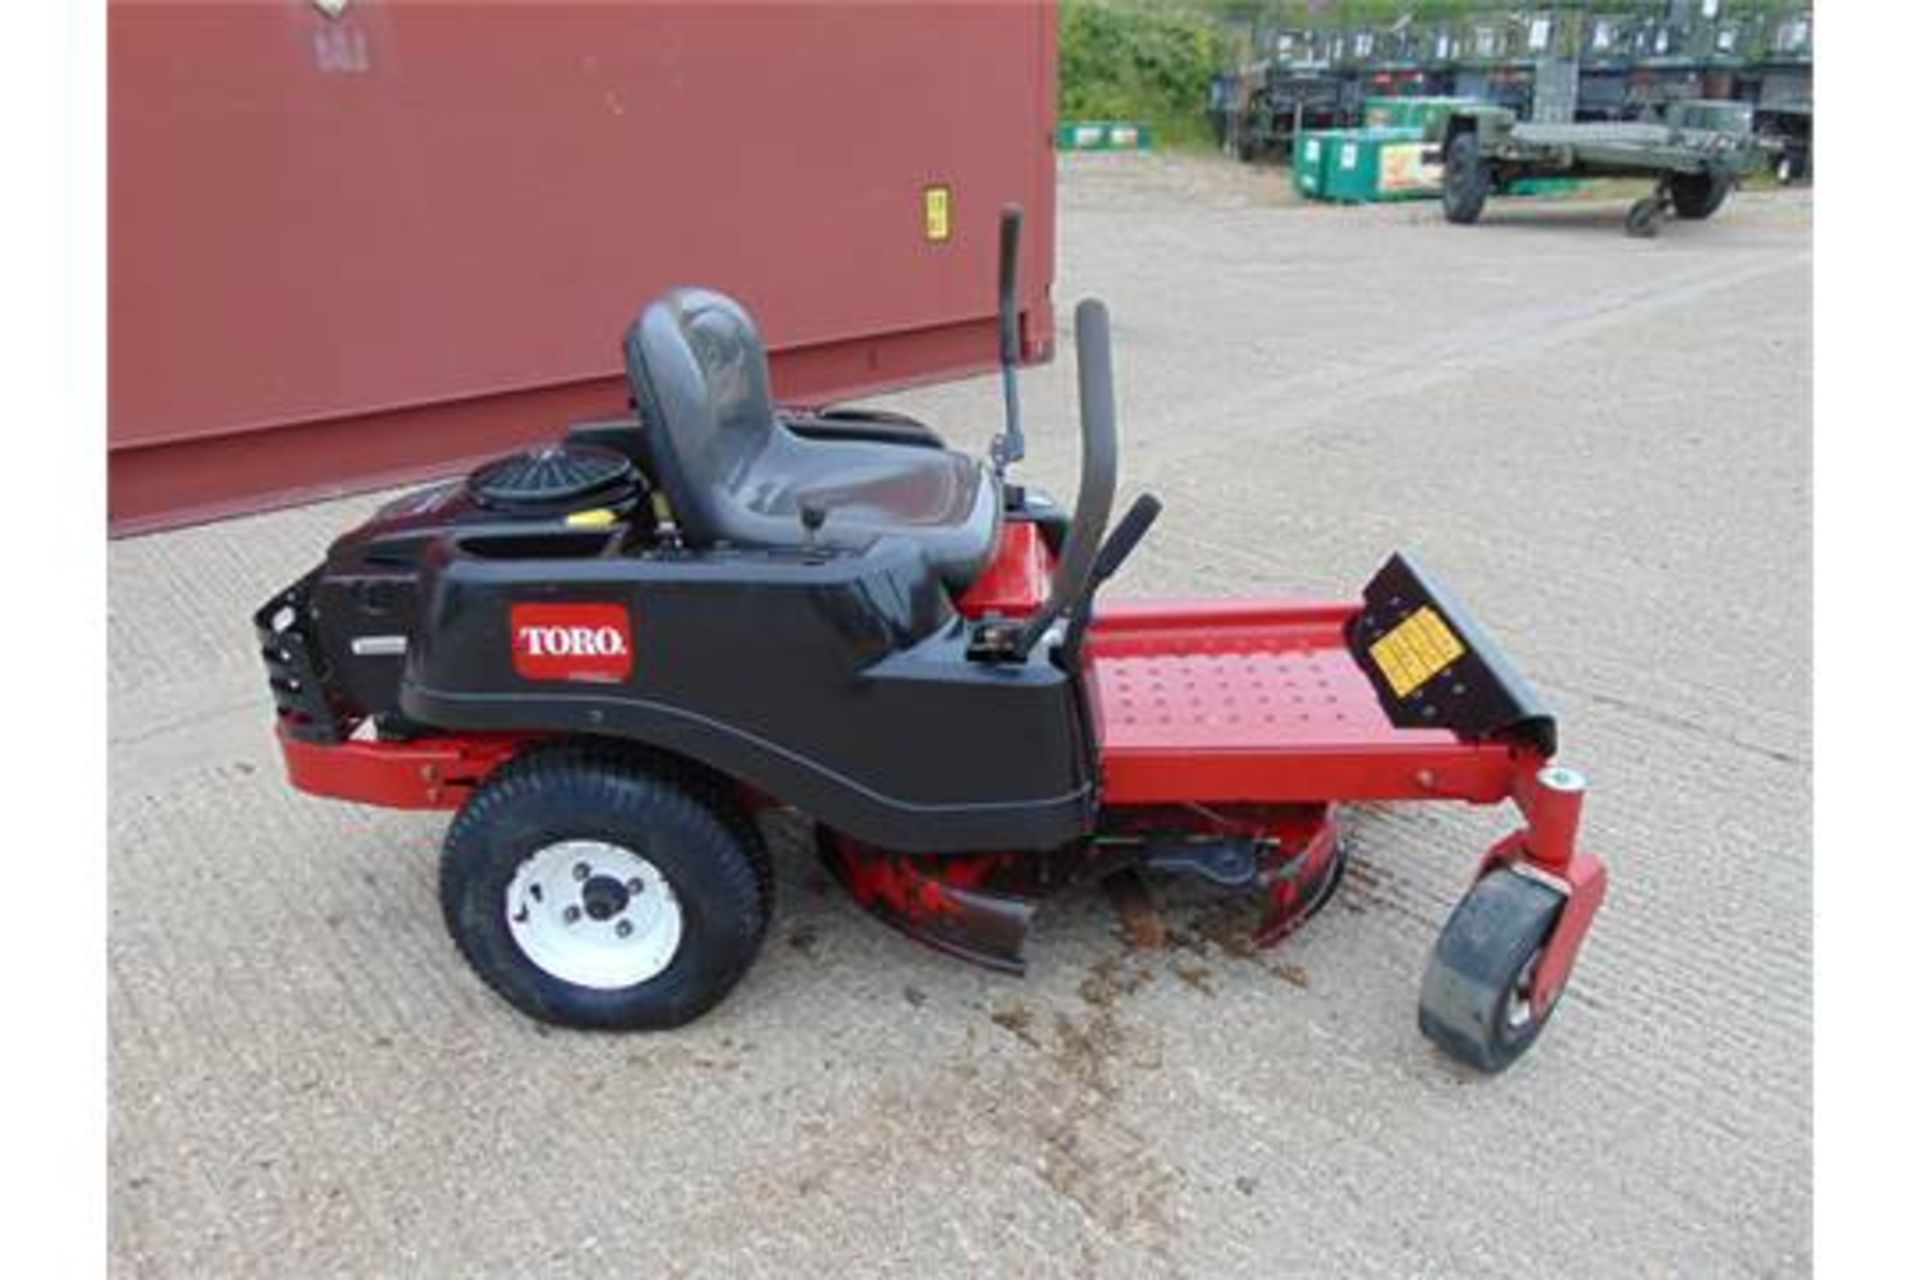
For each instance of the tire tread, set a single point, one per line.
(616, 785)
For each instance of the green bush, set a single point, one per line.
(1135, 61)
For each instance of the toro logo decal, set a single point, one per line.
(592, 642)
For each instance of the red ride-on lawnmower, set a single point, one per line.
(607, 654)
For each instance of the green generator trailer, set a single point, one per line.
(1367, 166)
(1364, 166)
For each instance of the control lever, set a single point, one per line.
(812, 517)
(1114, 551)
(1009, 446)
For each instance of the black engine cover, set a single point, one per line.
(836, 681)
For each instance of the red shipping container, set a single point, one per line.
(355, 243)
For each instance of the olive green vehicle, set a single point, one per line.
(1696, 154)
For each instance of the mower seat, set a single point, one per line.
(734, 472)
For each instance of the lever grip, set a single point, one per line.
(1125, 537)
(1114, 551)
(1010, 217)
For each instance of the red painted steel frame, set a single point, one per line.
(1262, 703)
(426, 773)
(1222, 703)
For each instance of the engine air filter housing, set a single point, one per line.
(555, 478)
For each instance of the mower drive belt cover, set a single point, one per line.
(1434, 668)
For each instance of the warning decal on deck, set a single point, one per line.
(1415, 651)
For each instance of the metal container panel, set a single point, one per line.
(357, 249)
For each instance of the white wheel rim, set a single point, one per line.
(594, 914)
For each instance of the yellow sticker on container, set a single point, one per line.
(1415, 651)
(596, 518)
(939, 211)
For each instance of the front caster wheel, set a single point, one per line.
(1476, 1001)
(593, 891)
(1643, 219)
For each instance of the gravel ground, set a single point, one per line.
(1603, 444)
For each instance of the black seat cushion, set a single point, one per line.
(734, 472)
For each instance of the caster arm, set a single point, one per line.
(1546, 852)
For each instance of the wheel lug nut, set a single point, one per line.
(635, 885)
(581, 871)
(571, 914)
(624, 928)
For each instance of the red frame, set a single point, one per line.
(1238, 738)
(1261, 702)
(1234, 703)
(424, 773)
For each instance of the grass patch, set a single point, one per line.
(1131, 60)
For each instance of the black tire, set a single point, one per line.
(710, 856)
(1473, 1001)
(1699, 195)
(1465, 186)
(1643, 219)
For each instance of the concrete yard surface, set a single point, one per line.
(1601, 444)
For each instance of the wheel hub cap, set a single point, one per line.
(604, 897)
(1520, 999)
(594, 914)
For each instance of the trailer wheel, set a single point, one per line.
(1464, 188)
(591, 890)
(1475, 999)
(1698, 195)
(1643, 219)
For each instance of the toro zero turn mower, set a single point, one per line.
(609, 653)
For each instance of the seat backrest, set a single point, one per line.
(698, 373)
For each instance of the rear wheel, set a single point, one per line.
(1476, 1001)
(593, 890)
(1464, 188)
(1699, 195)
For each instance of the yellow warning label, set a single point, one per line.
(1414, 652)
(939, 211)
(597, 518)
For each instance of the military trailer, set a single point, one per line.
(1695, 156)
(1281, 102)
